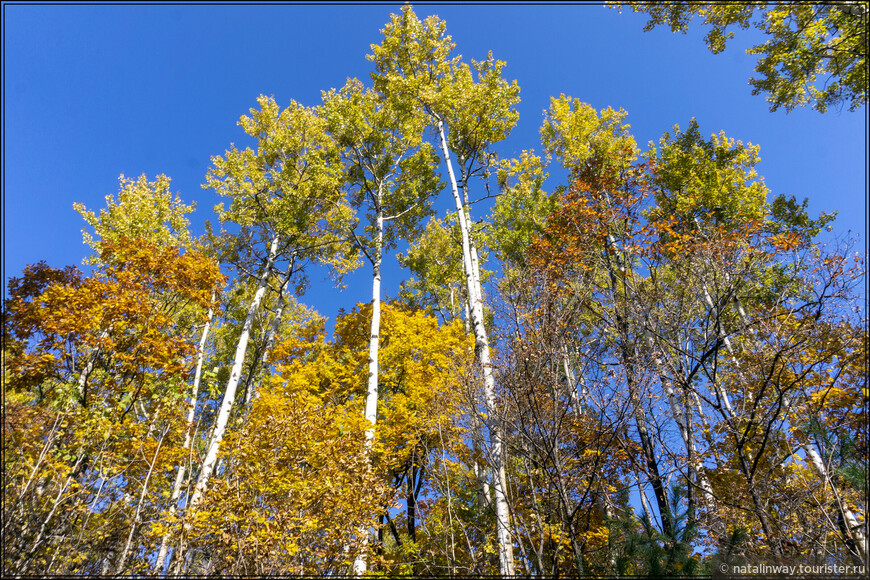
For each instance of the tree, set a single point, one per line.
(100, 362)
(390, 173)
(302, 462)
(667, 371)
(144, 209)
(816, 54)
(414, 69)
(147, 210)
(285, 197)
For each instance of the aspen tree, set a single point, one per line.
(389, 172)
(469, 115)
(286, 195)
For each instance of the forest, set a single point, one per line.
(654, 368)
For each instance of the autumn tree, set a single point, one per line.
(390, 174)
(284, 198)
(302, 462)
(648, 364)
(102, 362)
(470, 108)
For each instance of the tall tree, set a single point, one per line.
(413, 68)
(389, 172)
(286, 198)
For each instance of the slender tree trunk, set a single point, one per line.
(472, 276)
(479, 465)
(681, 412)
(360, 564)
(571, 382)
(757, 503)
(188, 438)
(260, 367)
(223, 416)
(82, 381)
(19, 503)
(627, 355)
(449, 506)
(854, 530)
(122, 561)
(24, 562)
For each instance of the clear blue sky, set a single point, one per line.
(91, 92)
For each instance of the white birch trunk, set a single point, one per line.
(477, 447)
(631, 379)
(81, 383)
(571, 379)
(854, 528)
(191, 411)
(680, 417)
(233, 382)
(472, 276)
(360, 564)
(253, 383)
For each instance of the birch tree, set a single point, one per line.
(285, 197)
(390, 173)
(413, 68)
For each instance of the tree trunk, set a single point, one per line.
(472, 277)
(188, 438)
(259, 367)
(627, 355)
(232, 384)
(853, 529)
(122, 561)
(371, 412)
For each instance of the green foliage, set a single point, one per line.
(708, 179)
(579, 137)
(521, 207)
(289, 186)
(787, 216)
(144, 210)
(643, 550)
(815, 54)
(414, 70)
(390, 169)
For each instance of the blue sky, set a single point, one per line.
(91, 92)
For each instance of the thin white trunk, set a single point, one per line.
(191, 411)
(360, 564)
(720, 392)
(251, 392)
(45, 448)
(472, 277)
(89, 367)
(571, 379)
(232, 384)
(853, 528)
(479, 466)
(627, 354)
(680, 417)
(644, 501)
(449, 505)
